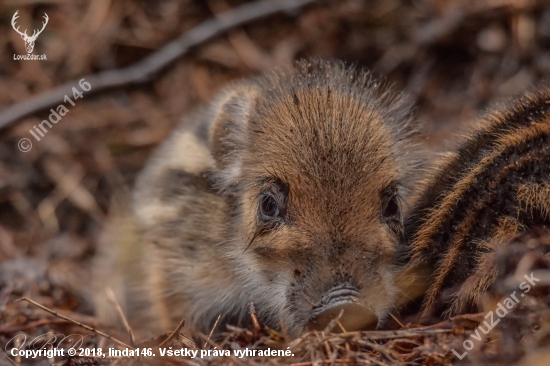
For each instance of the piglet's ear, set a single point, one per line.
(229, 131)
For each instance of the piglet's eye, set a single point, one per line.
(392, 209)
(268, 207)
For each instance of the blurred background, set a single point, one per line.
(452, 58)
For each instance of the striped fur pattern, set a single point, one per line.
(495, 186)
(325, 143)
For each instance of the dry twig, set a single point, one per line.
(87, 327)
(112, 298)
(173, 334)
(213, 328)
(252, 312)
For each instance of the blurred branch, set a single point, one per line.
(146, 68)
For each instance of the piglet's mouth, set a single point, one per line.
(356, 316)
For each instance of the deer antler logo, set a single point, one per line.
(29, 41)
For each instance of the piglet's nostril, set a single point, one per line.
(356, 316)
(343, 292)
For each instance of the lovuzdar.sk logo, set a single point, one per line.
(29, 40)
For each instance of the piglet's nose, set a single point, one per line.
(356, 316)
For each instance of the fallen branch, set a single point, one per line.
(146, 68)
